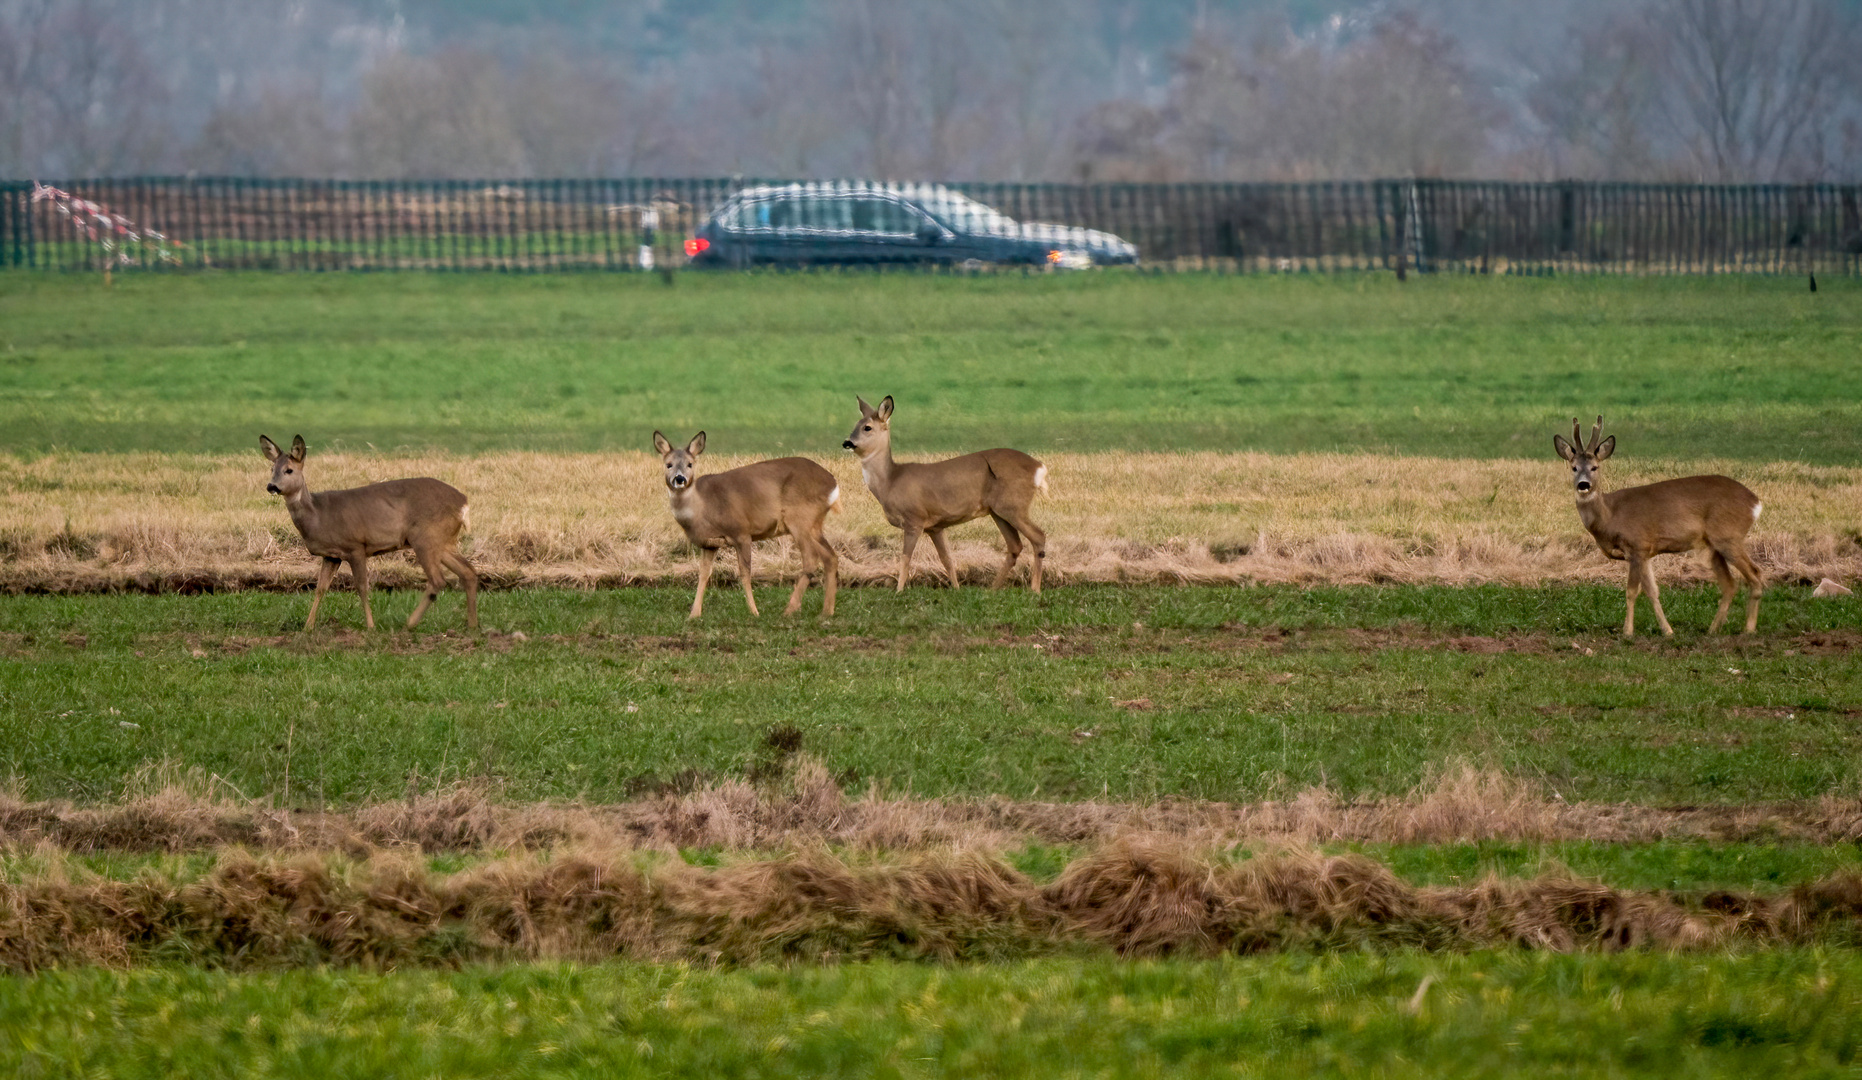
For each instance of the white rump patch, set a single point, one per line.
(1756, 507)
(465, 518)
(1040, 479)
(834, 496)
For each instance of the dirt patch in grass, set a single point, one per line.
(1075, 642)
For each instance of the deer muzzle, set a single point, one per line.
(273, 489)
(848, 444)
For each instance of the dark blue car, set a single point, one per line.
(870, 223)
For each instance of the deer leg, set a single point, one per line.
(325, 572)
(1037, 539)
(359, 567)
(906, 543)
(1630, 592)
(1723, 573)
(469, 578)
(1755, 585)
(436, 580)
(806, 549)
(1012, 543)
(943, 554)
(706, 556)
(830, 579)
(1655, 597)
(743, 573)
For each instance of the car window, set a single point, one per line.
(884, 216)
(804, 214)
(743, 216)
(828, 214)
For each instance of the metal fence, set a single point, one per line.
(537, 225)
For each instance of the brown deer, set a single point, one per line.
(1638, 523)
(753, 502)
(931, 497)
(423, 514)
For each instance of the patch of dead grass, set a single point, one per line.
(803, 805)
(178, 522)
(1140, 895)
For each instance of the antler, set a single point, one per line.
(1596, 436)
(1577, 435)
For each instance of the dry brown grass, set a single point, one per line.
(809, 875)
(162, 521)
(807, 808)
(1139, 895)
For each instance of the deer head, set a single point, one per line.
(1584, 459)
(287, 469)
(681, 467)
(873, 434)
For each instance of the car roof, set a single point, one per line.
(944, 203)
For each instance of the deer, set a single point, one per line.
(421, 514)
(1671, 516)
(783, 496)
(927, 498)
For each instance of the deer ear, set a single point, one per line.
(1564, 448)
(865, 409)
(660, 444)
(298, 449)
(1605, 448)
(272, 453)
(885, 409)
(697, 445)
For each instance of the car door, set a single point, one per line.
(891, 231)
(814, 228)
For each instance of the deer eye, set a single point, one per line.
(288, 472)
(868, 427)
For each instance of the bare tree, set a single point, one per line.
(872, 41)
(102, 100)
(288, 129)
(780, 120)
(1121, 141)
(1595, 102)
(1755, 86)
(578, 117)
(448, 116)
(1390, 98)
(24, 26)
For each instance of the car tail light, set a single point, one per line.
(696, 246)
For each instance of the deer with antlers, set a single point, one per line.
(929, 498)
(421, 514)
(1638, 523)
(765, 499)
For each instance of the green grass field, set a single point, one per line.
(1186, 692)
(1783, 1013)
(1132, 693)
(1736, 367)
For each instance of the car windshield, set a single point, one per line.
(966, 214)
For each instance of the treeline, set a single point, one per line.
(1682, 90)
